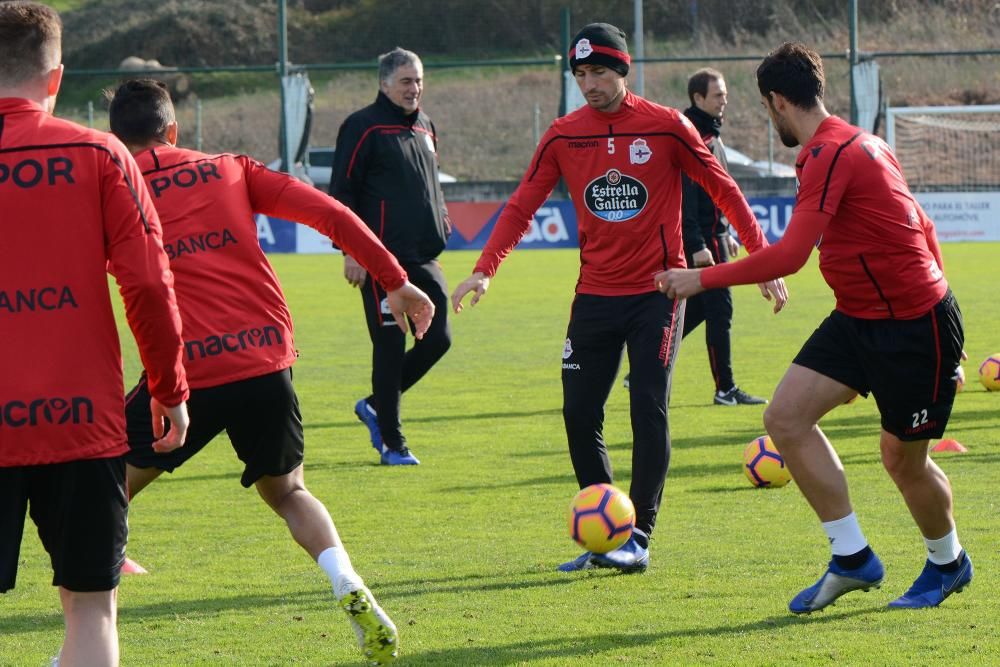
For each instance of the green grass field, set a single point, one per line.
(461, 550)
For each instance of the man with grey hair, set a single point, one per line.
(385, 169)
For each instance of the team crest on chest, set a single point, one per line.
(615, 197)
(429, 142)
(639, 152)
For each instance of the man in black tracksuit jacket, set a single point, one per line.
(386, 170)
(707, 240)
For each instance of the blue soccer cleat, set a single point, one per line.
(583, 562)
(835, 582)
(366, 413)
(399, 457)
(630, 557)
(933, 586)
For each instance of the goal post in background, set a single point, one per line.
(950, 157)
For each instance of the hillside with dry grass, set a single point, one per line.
(487, 116)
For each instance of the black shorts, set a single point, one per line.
(81, 511)
(909, 366)
(260, 415)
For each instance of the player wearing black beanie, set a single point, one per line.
(621, 157)
(600, 44)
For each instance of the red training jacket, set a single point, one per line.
(878, 249)
(623, 170)
(236, 321)
(72, 209)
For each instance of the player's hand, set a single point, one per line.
(354, 272)
(960, 373)
(679, 283)
(410, 301)
(777, 289)
(703, 258)
(732, 245)
(177, 434)
(477, 282)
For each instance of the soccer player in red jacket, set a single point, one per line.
(896, 332)
(238, 347)
(621, 157)
(72, 209)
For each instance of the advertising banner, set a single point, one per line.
(958, 216)
(963, 216)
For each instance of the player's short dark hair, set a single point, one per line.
(796, 72)
(140, 111)
(30, 41)
(700, 80)
(388, 63)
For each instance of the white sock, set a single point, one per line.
(945, 549)
(845, 535)
(337, 565)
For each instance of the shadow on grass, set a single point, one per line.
(318, 599)
(532, 577)
(191, 609)
(737, 439)
(582, 648)
(457, 416)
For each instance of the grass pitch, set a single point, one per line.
(461, 550)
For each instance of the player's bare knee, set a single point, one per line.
(781, 424)
(275, 491)
(98, 604)
(907, 466)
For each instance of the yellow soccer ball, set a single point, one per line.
(601, 518)
(763, 465)
(989, 372)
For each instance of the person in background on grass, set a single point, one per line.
(707, 241)
(73, 208)
(896, 332)
(621, 157)
(238, 348)
(385, 168)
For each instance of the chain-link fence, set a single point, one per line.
(489, 113)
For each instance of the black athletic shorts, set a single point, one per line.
(260, 415)
(81, 511)
(909, 366)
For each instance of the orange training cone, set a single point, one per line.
(131, 567)
(949, 445)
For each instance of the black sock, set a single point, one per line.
(855, 560)
(953, 565)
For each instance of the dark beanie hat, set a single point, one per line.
(600, 44)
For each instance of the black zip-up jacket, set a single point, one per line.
(701, 222)
(385, 169)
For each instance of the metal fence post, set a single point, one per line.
(282, 71)
(640, 49)
(852, 58)
(197, 125)
(770, 145)
(537, 117)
